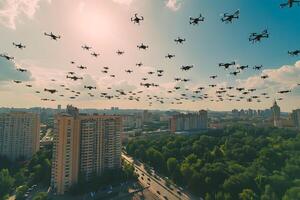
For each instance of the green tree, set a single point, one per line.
(247, 194)
(20, 191)
(292, 194)
(172, 165)
(269, 194)
(6, 182)
(40, 196)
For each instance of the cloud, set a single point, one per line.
(285, 77)
(12, 10)
(174, 4)
(9, 72)
(125, 2)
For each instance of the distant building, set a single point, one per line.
(276, 115)
(146, 116)
(59, 107)
(189, 122)
(114, 108)
(296, 118)
(132, 122)
(84, 144)
(19, 135)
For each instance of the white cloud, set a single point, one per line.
(174, 4)
(285, 77)
(9, 72)
(11, 10)
(125, 2)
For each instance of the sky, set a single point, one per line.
(105, 25)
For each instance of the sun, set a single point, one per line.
(94, 22)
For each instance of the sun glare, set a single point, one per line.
(95, 23)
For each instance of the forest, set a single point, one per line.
(18, 176)
(237, 162)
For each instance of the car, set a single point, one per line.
(166, 198)
(148, 183)
(178, 192)
(149, 179)
(158, 192)
(142, 178)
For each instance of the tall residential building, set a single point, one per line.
(19, 135)
(296, 118)
(276, 114)
(189, 122)
(85, 145)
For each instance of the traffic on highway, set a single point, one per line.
(156, 184)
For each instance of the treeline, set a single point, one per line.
(238, 162)
(20, 175)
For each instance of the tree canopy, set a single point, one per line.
(238, 162)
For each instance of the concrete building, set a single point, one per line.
(296, 118)
(189, 122)
(276, 115)
(84, 144)
(19, 135)
(132, 122)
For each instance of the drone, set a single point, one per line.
(290, 3)
(243, 67)
(90, 87)
(74, 78)
(264, 76)
(81, 67)
(187, 67)
(120, 52)
(256, 37)
(294, 53)
(129, 71)
(139, 64)
(256, 67)
(85, 47)
(170, 56)
(179, 40)
(20, 46)
(136, 19)
(52, 36)
(235, 73)
(21, 70)
(95, 54)
(228, 18)
(7, 57)
(226, 65)
(52, 91)
(142, 46)
(196, 20)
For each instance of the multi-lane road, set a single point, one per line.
(157, 185)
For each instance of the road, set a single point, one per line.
(156, 184)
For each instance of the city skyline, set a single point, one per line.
(106, 26)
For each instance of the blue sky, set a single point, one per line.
(106, 26)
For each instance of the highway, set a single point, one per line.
(157, 185)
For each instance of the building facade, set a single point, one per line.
(19, 135)
(296, 118)
(132, 122)
(85, 146)
(189, 122)
(276, 115)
